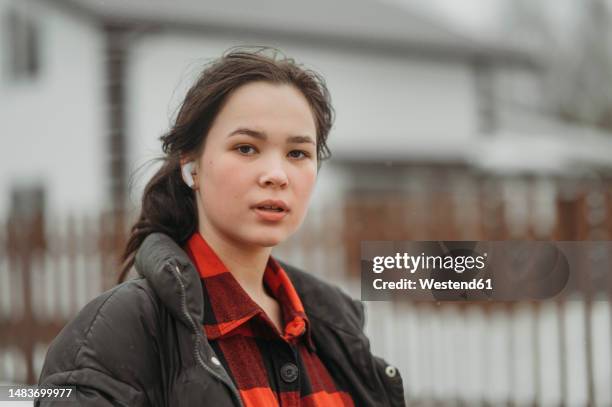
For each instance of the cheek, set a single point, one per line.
(226, 182)
(304, 185)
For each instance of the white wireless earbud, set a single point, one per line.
(187, 172)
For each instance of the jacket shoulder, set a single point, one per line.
(113, 336)
(326, 302)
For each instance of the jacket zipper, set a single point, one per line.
(197, 341)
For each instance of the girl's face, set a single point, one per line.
(261, 147)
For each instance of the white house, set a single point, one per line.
(77, 74)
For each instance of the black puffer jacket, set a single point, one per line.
(142, 342)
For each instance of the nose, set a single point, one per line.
(274, 177)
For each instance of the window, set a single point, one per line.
(22, 53)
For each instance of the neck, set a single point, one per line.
(246, 263)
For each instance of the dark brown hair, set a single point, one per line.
(168, 204)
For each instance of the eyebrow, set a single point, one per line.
(262, 136)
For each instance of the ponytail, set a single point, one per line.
(168, 206)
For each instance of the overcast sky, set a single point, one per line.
(473, 15)
(487, 17)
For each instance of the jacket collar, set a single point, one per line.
(169, 271)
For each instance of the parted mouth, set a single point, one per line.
(272, 205)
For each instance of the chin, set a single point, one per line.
(270, 241)
(269, 238)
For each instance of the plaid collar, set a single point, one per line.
(232, 307)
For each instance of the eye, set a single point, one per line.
(294, 155)
(245, 148)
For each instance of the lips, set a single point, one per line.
(272, 205)
(271, 210)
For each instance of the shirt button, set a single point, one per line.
(289, 372)
(391, 371)
(215, 361)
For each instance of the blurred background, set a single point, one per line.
(470, 120)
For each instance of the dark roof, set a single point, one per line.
(358, 23)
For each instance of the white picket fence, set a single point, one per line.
(447, 353)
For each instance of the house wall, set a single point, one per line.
(52, 125)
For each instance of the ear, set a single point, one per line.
(188, 170)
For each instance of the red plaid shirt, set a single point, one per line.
(269, 369)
